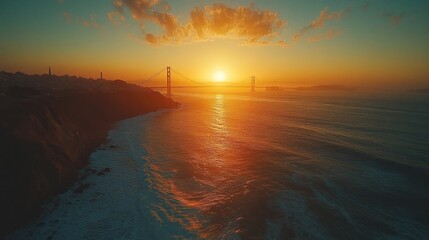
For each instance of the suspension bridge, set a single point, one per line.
(163, 79)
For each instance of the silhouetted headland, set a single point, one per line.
(326, 88)
(48, 127)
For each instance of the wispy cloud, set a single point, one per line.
(141, 10)
(282, 43)
(324, 16)
(329, 34)
(91, 23)
(115, 17)
(245, 23)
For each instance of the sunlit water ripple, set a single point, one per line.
(258, 167)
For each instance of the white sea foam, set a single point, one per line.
(227, 167)
(116, 205)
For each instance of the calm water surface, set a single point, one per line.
(283, 165)
(288, 165)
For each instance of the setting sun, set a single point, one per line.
(219, 76)
(215, 119)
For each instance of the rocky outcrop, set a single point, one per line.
(47, 134)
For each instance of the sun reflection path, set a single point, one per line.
(212, 178)
(218, 141)
(218, 118)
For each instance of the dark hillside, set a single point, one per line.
(49, 126)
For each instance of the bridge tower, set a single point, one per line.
(252, 84)
(168, 81)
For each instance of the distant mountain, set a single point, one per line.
(424, 90)
(326, 88)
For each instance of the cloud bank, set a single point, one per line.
(245, 23)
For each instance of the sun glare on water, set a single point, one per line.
(219, 76)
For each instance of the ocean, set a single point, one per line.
(268, 165)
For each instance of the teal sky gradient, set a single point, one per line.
(373, 44)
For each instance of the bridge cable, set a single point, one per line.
(189, 79)
(153, 76)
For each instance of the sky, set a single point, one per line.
(370, 44)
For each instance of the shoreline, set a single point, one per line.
(49, 128)
(92, 194)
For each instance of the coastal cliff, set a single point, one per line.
(48, 127)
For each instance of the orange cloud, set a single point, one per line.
(319, 22)
(249, 25)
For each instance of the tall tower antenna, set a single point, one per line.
(252, 84)
(50, 73)
(168, 81)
